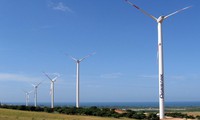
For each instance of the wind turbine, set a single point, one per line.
(159, 20)
(27, 96)
(52, 87)
(35, 92)
(78, 76)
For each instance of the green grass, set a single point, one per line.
(7, 114)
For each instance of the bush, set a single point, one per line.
(32, 108)
(22, 107)
(152, 116)
(47, 109)
(139, 116)
(198, 117)
(70, 111)
(180, 115)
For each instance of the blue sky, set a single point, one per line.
(35, 35)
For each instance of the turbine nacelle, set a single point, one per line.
(78, 61)
(160, 19)
(36, 85)
(28, 92)
(54, 79)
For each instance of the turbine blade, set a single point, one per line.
(72, 57)
(51, 87)
(30, 91)
(39, 83)
(33, 85)
(57, 74)
(47, 76)
(24, 91)
(87, 56)
(54, 79)
(151, 16)
(50, 93)
(177, 12)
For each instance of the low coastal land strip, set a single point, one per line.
(94, 113)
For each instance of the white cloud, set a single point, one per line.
(171, 77)
(149, 76)
(111, 75)
(59, 6)
(17, 77)
(175, 77)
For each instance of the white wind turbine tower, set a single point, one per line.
(35, 92)
(27, 96)
(52, 87)
(159, 20)
(78, 75)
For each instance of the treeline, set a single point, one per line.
(91, 111)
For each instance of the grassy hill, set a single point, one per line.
(7, 114)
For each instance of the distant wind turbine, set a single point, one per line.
(52, 87)
(78, 76)
(27, 93)
(159, 20)
(35, 92)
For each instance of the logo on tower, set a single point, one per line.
(162, 86)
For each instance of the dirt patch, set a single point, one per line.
(169, 118)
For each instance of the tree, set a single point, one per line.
(152, 116)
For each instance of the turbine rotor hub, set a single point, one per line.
(160, 19)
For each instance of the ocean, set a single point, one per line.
(118, 104)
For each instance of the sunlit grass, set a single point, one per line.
(7, 114)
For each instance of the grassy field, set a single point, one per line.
(6, 114)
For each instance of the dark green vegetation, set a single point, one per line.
(181, 115)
